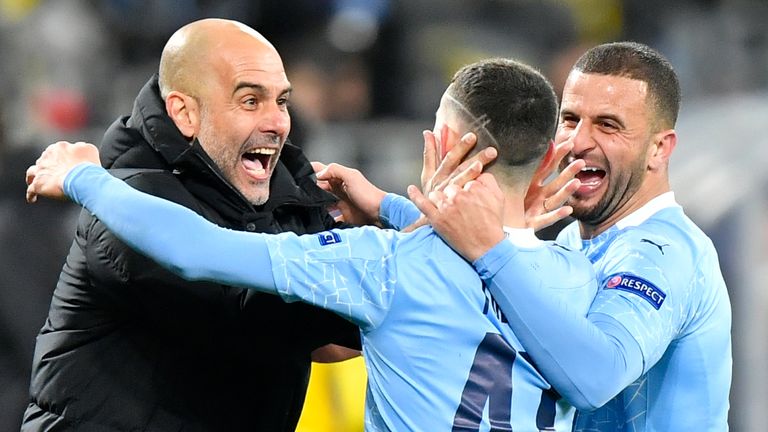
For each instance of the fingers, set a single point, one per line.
(420, 222)
(452, 159)
(334, 171)
(464, 177)
(573, 168)
(320, 174)
(551, 162)
(30, 174)
(318, 166)
(31, 196)
(565, 192)
(547, 219)
(424, 205)
(489, 181)
(429, 162)
(326, 172)
(450, 163)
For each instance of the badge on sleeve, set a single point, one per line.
(328, 238)
(638, 286)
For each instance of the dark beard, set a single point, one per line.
(593, 215)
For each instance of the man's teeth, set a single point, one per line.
(590, 169)
(264, 151)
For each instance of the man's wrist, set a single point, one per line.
(490, 262)
(480, 249)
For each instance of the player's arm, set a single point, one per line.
(176, 237)
(588, 359)
(340, 270)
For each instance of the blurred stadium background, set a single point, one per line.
(368, 75)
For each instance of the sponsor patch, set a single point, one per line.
(637, 285)
(328, 238)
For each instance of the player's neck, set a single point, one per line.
(514, 210)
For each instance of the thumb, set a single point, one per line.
(420, 222)
(424, 205)
(318, 167)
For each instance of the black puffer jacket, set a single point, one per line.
(129, 346)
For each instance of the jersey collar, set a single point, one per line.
(522, 237)
(665, 200)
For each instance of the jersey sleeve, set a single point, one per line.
(176, 237)
(586, 362)
(644, 291)
(351, 271)
(397, 212)
(347, 271)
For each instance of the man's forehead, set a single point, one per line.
(615, 93)
(251, 70)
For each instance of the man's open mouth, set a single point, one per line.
(591, 178)
(257, 162)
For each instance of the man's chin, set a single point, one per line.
(256, 195)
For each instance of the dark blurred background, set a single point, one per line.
(367, 77)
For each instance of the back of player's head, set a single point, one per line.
(512, 106)
(639, 62)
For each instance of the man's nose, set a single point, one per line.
(277, 120)
(581, 136)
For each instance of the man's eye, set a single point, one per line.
(250, 101)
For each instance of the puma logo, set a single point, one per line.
(660, 246)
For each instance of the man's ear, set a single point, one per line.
(184, 111)
(663, 144)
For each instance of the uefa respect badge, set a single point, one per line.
(638, 286)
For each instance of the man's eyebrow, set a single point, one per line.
(612, 117)
(258, 88)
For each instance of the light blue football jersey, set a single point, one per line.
(438, 352)
(657, 334)
(660, 279)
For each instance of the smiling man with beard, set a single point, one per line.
(129, 346)
(654, 352)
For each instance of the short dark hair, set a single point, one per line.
(639, 62)
(518, 104)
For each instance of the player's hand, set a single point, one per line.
(437, 173)
(468, 218)
(46, 177)
(359, 199)
(545, 202)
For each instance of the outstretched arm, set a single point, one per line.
(72, 170)
(176, 237)
(295, 267)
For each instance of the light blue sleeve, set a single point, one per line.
(176, 237)
(587, 362)
(350, 272)
(663, 274)
(397, 212)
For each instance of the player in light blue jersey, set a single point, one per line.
(439, 354)
(654, 353)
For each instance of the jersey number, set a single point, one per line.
(490, 380)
